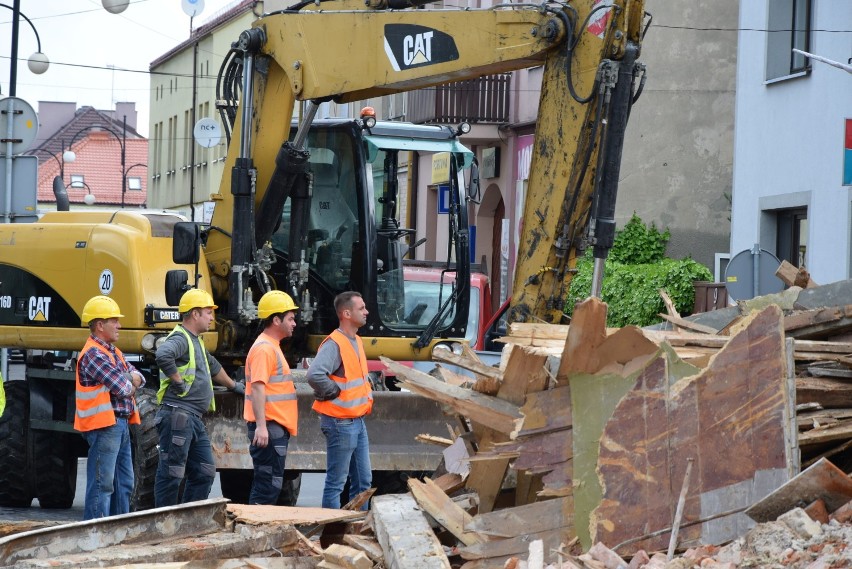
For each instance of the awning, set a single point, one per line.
(376, 143)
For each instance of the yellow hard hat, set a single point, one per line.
(274, 302)
(195, 298)
(100, 307)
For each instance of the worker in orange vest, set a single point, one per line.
(270, 409)
(106, 407)
(338, 375)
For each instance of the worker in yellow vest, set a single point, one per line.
(106, 407)
(271, 410)
(187, 373)
(338, 375)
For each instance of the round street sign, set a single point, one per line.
(207, 132)
(24, 124)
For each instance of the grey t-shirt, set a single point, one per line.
(327, 362)
(172, 354)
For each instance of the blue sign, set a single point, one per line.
(443, 199)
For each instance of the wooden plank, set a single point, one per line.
(733, 408)
(547, 411)
(453, 378)
(517, 545)
(476, 366)
(587, 332)
(827, 391)
(684, 323)
(347, 557)
(670, 307)
(525, 372)
(486, 479)
(434, 502)
(450, 482)
(433, 440)
(366, 544)
(495, 413)
(795, 276)
(521, 520)
(841, 432)
(405, 536)
(257, 515)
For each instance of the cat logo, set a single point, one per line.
(408, 46)
(39, 308)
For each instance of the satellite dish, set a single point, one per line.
(751, 273)
(192, 7)
(24, 124)
(207, 132)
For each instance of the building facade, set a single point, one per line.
(109, 167)
(792, 184)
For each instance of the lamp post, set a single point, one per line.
(70, 156)
(38, 63)
(127, 172)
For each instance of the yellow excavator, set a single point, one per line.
(311, 208)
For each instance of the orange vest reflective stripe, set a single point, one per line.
(281, 405)
(94, 408)
(356, 397)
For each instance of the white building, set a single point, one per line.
(793, 133)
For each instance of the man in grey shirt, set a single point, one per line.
(187, 372)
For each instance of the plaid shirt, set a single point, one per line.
(97, 369)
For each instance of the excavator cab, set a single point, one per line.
(350, 235)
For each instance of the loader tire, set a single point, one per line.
(54, 469)
(16, 489)
(143, 440)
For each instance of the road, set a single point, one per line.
(309, 496)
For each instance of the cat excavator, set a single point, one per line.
(311, 207)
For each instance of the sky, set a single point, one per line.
(96, 58)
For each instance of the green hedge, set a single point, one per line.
(635, 272)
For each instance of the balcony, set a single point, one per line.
(482, 100)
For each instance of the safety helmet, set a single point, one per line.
(274, 302)
(100, 307)
(195, 298)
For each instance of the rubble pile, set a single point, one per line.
(721, 441)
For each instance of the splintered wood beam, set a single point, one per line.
(521, 520)
(469, 364)
(437, 504)
(794, 276)
(586, 333)
(492, 412)
(547, 411)
(684, 323)
(827, 391)
(406, 538)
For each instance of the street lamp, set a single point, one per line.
(89, 198)
(38, 62)
(70, 156)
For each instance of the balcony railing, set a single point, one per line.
(482, 100)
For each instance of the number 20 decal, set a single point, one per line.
(105, 281)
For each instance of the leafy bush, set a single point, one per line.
(631, 288)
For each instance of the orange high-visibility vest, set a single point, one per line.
(356, 398)
(281, 405)
(94, 409)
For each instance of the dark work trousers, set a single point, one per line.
(268, 464)
(185, 451)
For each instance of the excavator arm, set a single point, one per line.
(587, 48)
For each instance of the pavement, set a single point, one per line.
(309, 496)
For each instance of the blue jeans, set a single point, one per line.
(347, 454)
(268, 464)
(109, 471)
(185, 451)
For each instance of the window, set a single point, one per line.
(792, 240)
(134, 183)
(77, 180)
(789, 27)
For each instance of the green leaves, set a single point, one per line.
(635, 272)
